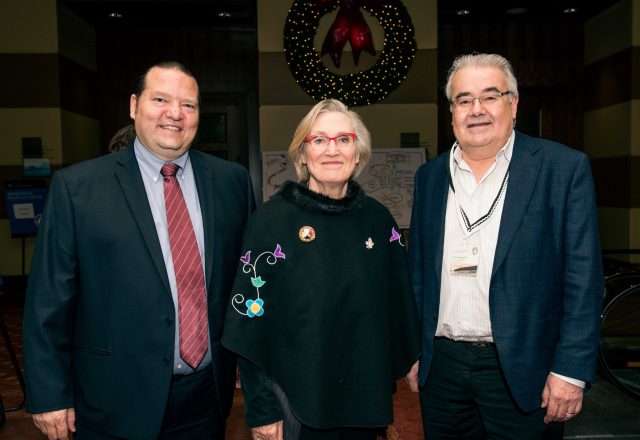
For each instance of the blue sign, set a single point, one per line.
(24, 209)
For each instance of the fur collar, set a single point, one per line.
(301, 196)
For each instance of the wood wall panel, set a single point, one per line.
(29, 80)
(222, 60)
(610, 81)
(616, 181)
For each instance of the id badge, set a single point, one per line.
(464, 259)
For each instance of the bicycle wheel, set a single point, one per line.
(619, 353)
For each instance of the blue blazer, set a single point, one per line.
(547, 283)
(99, 316)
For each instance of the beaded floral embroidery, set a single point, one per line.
(254, 307)
(395, 236)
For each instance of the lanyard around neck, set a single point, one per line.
(467, 226)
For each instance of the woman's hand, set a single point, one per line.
(412, 377)
(268, 432)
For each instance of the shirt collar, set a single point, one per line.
(455, 158)
(152, 164)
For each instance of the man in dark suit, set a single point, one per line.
(506, 268)
(130, 279)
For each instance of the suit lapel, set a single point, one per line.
(203, 178)
(440, 195)
(523, 172)
(130, 180)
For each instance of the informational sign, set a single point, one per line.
(388, 177)
(40, 167)
(24, 202)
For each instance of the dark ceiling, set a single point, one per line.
(242, 13)
(165, 13)
(451, 11)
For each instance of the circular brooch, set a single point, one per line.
(307, 234)
(354, 89)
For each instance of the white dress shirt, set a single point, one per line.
(464, 300)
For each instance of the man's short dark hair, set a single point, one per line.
(142, 79)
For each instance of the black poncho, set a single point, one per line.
(322, 304)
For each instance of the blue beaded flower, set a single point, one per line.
(254, 307)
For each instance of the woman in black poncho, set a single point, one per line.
(322, 315)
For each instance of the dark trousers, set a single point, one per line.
(466, 397)
(192, 411)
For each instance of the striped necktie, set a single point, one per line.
(192, 301)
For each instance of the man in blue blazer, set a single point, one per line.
(104, 356)
(506, 268)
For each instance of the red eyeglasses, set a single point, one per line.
(320, 142)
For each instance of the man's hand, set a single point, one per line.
(412, 377)
(268, 432)
(562, 399)
(56, 424)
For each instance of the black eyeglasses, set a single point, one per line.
(487, 100)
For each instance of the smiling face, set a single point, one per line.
(330, 168)
(166, 112)
(485, 127)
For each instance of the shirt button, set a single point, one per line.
(165, 361)
(169, 322)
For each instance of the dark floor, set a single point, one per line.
(608, 412)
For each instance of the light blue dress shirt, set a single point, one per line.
(150, 166)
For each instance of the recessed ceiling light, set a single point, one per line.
(570, 11)
(463, 12)
(517, 11)
(115, 15)
(224, 14)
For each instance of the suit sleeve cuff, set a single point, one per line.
(576, 382)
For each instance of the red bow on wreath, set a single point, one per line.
(349, 26)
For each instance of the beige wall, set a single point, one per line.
(635, 24)
(28, 26)
(616, 24)
(613, 131)
(77, 39)
(40, 28)
(17, 123)
(80, 137)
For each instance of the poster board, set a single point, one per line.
(24, 202)
(388, 177)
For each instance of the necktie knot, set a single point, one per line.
(169, 169)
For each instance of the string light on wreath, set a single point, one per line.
(354, 89)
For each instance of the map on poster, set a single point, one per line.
(387, 178)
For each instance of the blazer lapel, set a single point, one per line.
(130, 180)
(523, 172)
(202, 175)
(441, 180)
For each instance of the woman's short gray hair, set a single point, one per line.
(298, 143)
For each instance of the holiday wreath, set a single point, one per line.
(354, 89)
